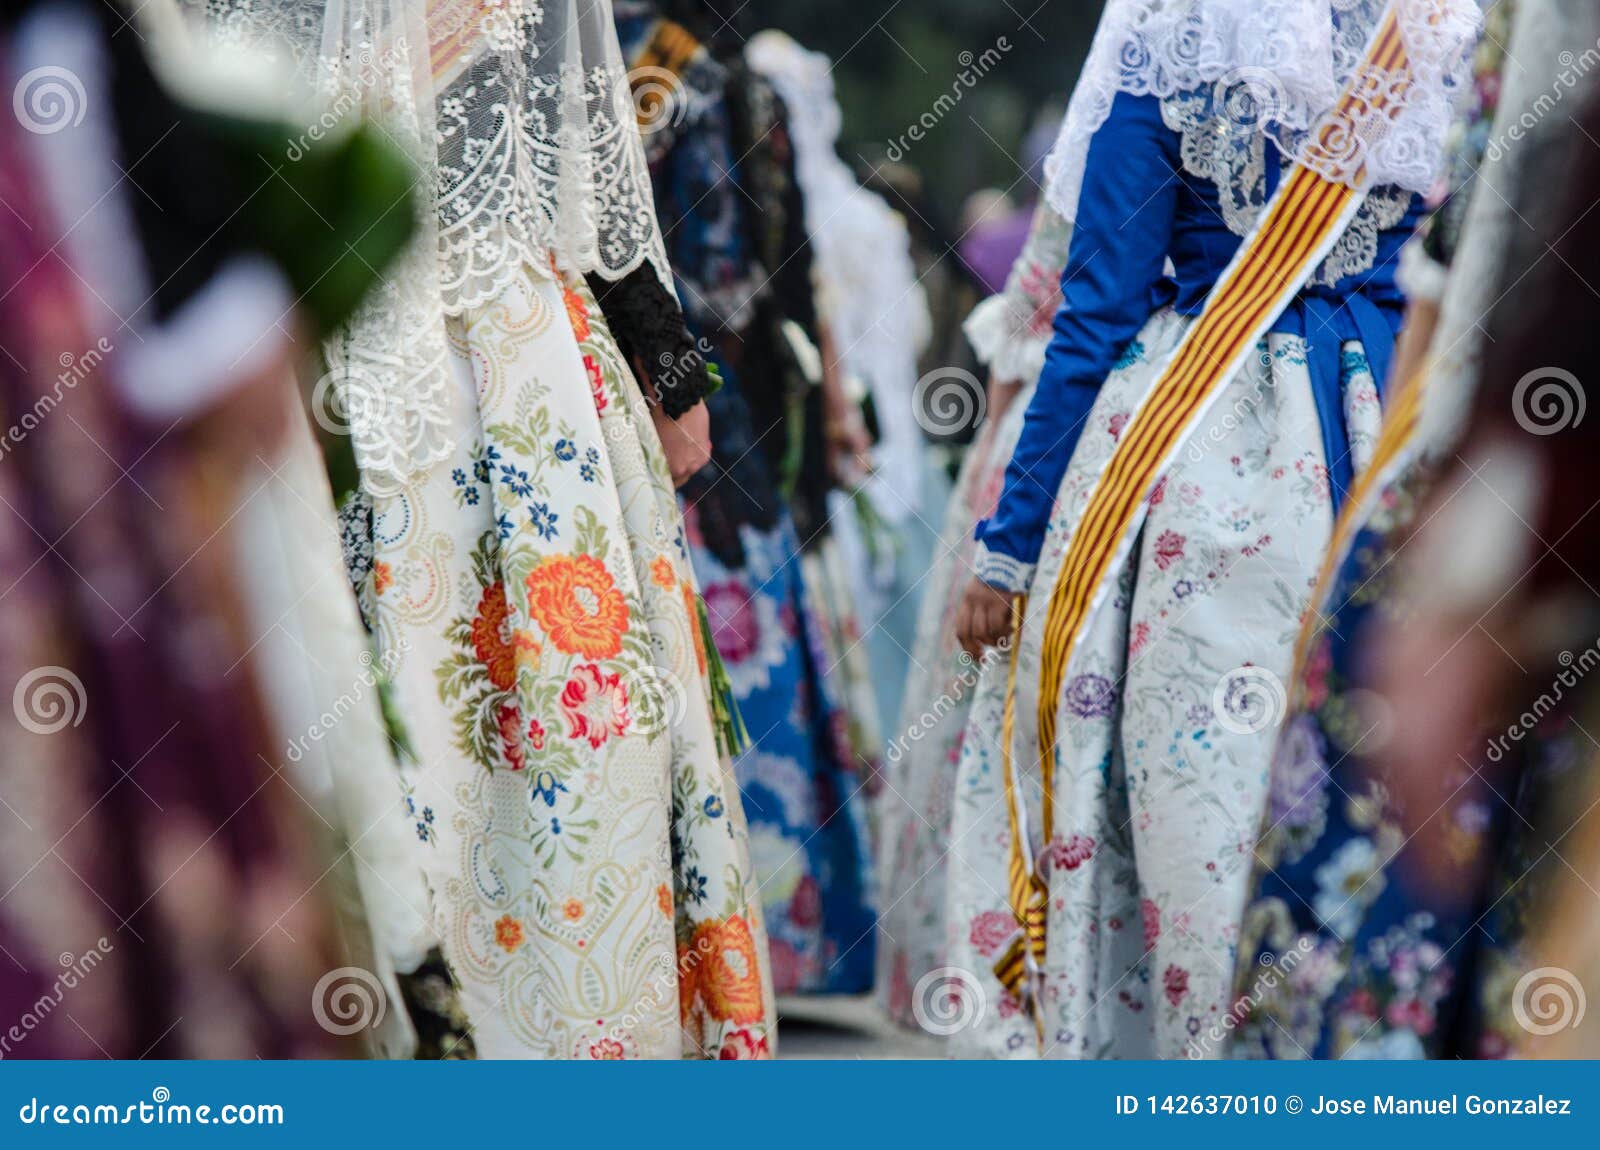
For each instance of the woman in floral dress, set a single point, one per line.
(517, 549)
(1135, 826)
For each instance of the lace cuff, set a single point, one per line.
(649, 328)
(1006, 572)
(1004, 341)
(1011, 331)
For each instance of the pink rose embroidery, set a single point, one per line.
(595, 705)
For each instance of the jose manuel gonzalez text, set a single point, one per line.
(1448, 1104)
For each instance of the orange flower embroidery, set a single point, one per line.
(382, 577)
(661, 571)
(664, 899)
(576, 601)
(573, 909)
(577, 312)
(489, 638)
(508, 933)
(727, 979)
(527, 648)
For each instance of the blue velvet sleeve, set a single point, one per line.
(1114, 266)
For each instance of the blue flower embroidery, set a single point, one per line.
(543, 520)
(545, 786)
(713, 806)
(517, 480)
(566, 450)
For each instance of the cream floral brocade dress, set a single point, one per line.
(584, 839)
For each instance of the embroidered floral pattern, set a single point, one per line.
(573, 855)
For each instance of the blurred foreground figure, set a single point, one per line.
(1434, 767)
(156, 890)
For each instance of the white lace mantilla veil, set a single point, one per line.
(1232, 72)
(521, 120)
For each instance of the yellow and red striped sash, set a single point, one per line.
(1027, 892)
(1298, 228)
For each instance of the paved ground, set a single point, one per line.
(846, 1027)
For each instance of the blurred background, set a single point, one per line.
(894, 58)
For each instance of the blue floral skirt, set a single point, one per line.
(802, 786)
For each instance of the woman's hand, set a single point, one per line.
(984, 617)
(686, 440)
(1000, 394)
(849, 447)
